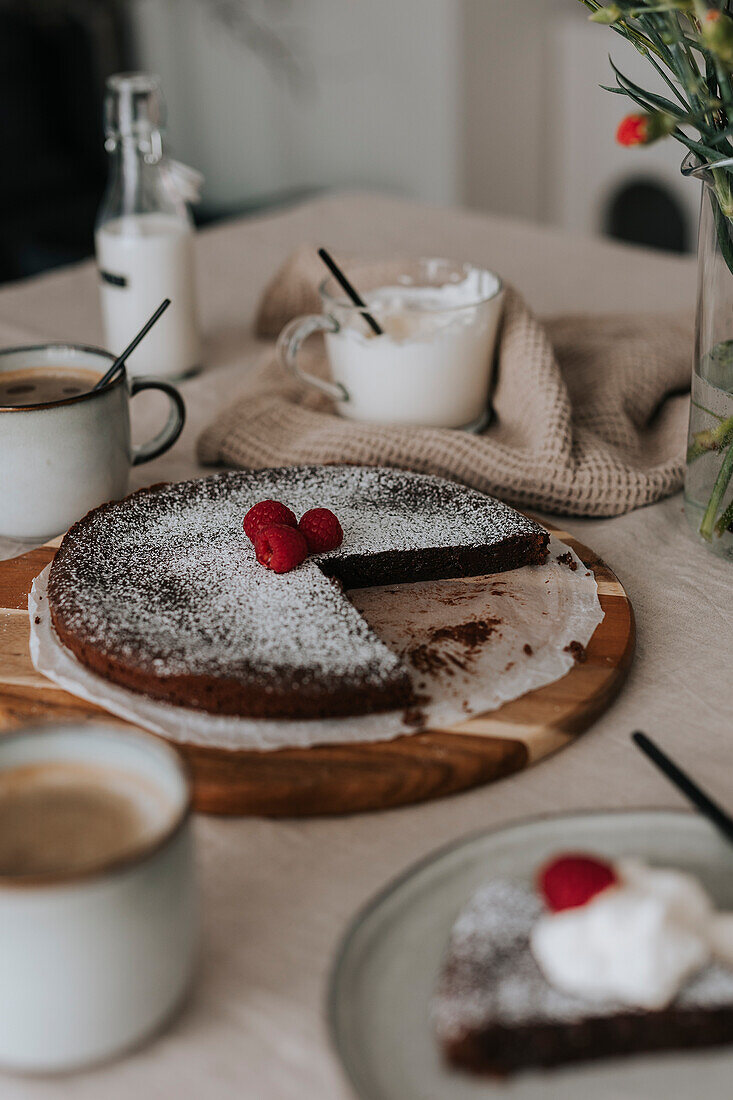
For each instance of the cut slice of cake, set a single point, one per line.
(162, 593)
(495, 1011)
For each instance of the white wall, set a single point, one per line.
(383, 111)
(507, 125)
(587, 162)
(540, 132)
(491, 103)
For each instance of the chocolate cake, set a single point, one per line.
(162, 593)
(494, 1012)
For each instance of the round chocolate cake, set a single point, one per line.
(162, 593)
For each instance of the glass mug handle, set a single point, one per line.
(173, 425)
(288, 347)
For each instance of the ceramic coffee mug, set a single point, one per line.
(93, 961)
(61, 459)
(432, 365)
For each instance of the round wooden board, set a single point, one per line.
(334, 779)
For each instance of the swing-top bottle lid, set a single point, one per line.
(133, 106)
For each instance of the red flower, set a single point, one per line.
(643, 129)
(633, 130)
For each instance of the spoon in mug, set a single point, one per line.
(119, 361)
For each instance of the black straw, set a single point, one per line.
(711, 810)
(132, 345)
(350, 290)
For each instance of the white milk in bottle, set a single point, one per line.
(144, 235)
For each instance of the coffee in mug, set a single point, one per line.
(65, 447)
(63, 817)
(97, 898)
(44, 385)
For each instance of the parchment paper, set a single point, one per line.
(470, 645)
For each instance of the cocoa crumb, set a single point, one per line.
(414, 715)
(528, 649)
(588, 573)
(37, 620)
(568, 559)
(578, 652)
(471, 634)
(510, 664)
(428, 659)
(428, 662)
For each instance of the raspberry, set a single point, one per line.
(263, 514)
(572, 880)
(321, 529)
(280, 548)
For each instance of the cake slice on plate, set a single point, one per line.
(601, 960)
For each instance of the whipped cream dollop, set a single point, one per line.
(409, 312)
(635, 942)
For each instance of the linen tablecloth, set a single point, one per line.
(278, 894)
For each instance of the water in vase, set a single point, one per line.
(709, 478)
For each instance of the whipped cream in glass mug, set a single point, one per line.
(432, 365)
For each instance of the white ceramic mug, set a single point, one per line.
(92, 962)
(59, 460)
(433, 363)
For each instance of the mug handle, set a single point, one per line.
(173, 426)
(288, 346)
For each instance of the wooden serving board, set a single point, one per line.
(334, 779)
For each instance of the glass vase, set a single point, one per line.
(709, 472)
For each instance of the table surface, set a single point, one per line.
(277, 895)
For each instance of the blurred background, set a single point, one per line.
(493, 104)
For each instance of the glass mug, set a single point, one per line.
(60, 459)
(433, 364)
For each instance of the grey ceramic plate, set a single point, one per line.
(387, 965)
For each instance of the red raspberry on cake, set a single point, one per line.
(321, 529)
(572, 880)
(280, 547)
(265, 513)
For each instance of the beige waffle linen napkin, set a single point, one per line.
(590, 411)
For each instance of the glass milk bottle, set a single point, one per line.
(144, 233)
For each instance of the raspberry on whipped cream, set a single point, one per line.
(572, 880)
(636, 941)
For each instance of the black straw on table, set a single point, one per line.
(682, 781)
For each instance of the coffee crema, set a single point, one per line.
(67, 817)
(44, 385)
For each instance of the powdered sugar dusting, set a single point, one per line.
(490, 976)
(168, 581)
